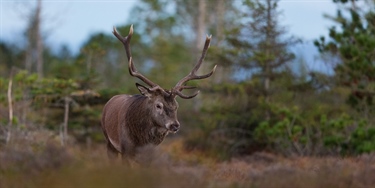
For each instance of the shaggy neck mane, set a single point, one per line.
(141, 128)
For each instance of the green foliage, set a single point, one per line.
(362, 139)
(49, 93)
(226, 121)
(3, 89)
(240, 109)
(302, 121)
(283, 132)
(340, 135)
(354, 45)
(353, 48)
(54, 87)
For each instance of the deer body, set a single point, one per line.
(130, 122)
(127, 123)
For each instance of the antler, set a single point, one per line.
(132, 70)
(192, 75)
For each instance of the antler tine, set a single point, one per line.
(132, 70)
(186, 96)
(125, 40)
(192, 75)
(204, 52)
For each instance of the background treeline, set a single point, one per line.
(262, 97)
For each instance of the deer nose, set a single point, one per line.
(174, 127)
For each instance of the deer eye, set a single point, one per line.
(159, 106)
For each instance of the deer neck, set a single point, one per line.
(157, 134)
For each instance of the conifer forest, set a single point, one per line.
(265, 118)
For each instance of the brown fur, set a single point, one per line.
(132, 121)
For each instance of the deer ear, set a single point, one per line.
(144, 90)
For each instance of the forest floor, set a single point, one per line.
(50, 165)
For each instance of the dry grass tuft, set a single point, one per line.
(19, 166)
(298, 172)
(31, 164)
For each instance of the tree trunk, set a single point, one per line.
(64, 129)
(10, 108)
(201, 27)
(39, 40)
(200, 24)
(34, 53)
(220, 11)
(267, 69)
(28, 56)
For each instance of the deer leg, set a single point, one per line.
(111, 152)
(125, 160)
(127, 153)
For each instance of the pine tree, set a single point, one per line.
(353, 46)
(262, 45)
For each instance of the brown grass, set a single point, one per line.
(50, 165)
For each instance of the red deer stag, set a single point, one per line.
(132, 121)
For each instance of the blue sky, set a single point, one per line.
(71, 22)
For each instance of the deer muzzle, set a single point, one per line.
(173, 127)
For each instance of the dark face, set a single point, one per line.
(163, 108)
